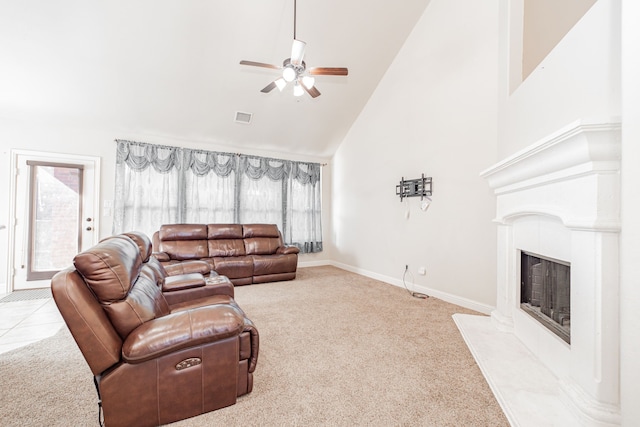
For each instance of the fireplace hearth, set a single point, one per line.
(545, 292)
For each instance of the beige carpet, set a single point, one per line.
(336, 349)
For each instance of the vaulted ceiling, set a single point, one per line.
(171, 68)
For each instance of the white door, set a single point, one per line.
(54, 202)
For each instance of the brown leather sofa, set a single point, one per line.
(245, 253)
(155, 362)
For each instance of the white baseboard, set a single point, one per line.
(303, 264)
(453, 299)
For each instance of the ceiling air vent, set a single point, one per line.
(244, 118)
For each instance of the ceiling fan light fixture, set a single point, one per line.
(308, 81)
(289, 74)
(280, 83)
(297, 51)
(297, 90)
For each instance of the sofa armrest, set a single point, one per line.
(161, 256)
(183, 281)
(180, 330)
(284, 250)
(186, 267)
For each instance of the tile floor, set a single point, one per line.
(25, 322)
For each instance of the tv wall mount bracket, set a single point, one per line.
(414, 187)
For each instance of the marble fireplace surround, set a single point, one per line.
(558, 198)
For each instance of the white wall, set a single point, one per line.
(630, 236)
(434, 112)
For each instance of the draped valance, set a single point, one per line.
(139, 156)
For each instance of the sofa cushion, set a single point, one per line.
(225, 240)
(182, 232)
(233, 267)
(261, 239)
(185, 249)
(260, 230)
(183, 241)
(273, 264)
(224, 231)
(226, 247)
(109, 268)
(261, 245)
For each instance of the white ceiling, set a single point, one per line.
(171, 67)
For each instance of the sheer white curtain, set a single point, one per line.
(158, 185)
(303, 220)
(147, 180)
(304, 210)
(209, 188)
(260, 201)
(260, 190)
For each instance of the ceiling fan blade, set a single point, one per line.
(313, 91)
(260, 64)
(268, 88)
(328, 71)
(297, 52)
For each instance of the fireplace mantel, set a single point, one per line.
(579, 163)
(559, 198)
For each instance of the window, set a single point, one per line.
(158, 185)
(55, 194)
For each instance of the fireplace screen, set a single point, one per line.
(545, 293)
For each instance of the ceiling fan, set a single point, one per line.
(294, 69)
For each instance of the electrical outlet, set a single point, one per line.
(422, 271)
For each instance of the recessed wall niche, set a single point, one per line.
(536, 27)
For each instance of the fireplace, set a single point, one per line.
(558, 224)
(545, 292)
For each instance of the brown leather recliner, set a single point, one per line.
(153, 362)
(184, 281)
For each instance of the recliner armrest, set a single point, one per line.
(183, 281)
(255, 343)
(284, 250)
(181, 330)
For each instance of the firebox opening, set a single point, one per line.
(545, 292)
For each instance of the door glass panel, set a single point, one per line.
(55, 218)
